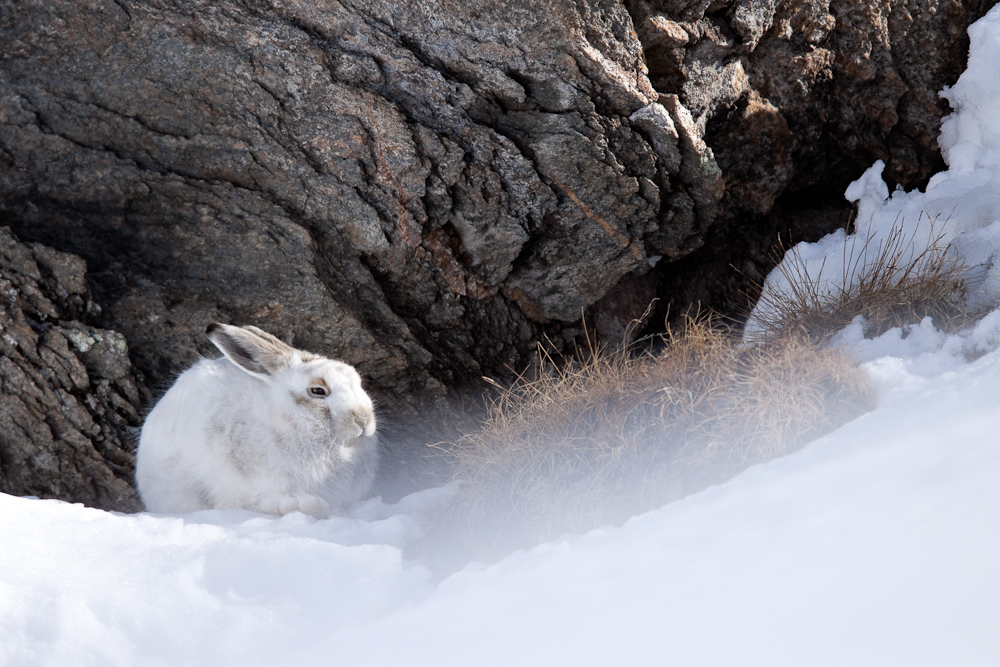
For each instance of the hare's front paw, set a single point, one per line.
(315, 507)
(311, 505)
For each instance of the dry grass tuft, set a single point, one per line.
(596, 440)
(887, 281)
(592, 441)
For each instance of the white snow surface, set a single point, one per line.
(875, 545)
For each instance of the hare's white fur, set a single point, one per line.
(252, 430)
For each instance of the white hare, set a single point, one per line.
(266, 427)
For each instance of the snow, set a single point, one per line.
(83, 586)
(875, 545)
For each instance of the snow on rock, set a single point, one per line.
(970, 137)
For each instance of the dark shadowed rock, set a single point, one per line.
(69, 401)
(796, 99)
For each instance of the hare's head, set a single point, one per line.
(325, 391)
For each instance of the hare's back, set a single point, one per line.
(180, 453)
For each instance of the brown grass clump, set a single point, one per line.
(887, 281)
(593, 441)
(596, 440)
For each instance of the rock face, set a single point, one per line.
(796, 98)
(69, 401)
(426, 190)
(421, 189)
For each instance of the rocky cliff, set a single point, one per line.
(427, 189)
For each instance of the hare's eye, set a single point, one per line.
(318, 391)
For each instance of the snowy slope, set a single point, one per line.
(876, 545)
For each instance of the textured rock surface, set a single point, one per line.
(796, 98)
(427, 189)
(69, 401)
(422, 189)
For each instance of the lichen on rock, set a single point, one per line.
(69, 399)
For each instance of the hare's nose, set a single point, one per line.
(365, 419)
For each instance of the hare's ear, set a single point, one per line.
(250, 348)
(266, 336)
